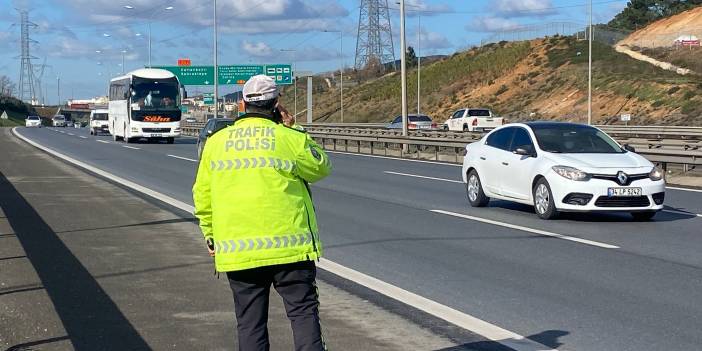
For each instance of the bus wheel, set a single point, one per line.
(170, 140)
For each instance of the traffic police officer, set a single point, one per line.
(252, 198)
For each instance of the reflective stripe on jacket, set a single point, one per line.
(251, 194)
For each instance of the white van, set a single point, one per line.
(98, 122)
(472, 120)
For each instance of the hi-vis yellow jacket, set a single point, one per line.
(252, 196)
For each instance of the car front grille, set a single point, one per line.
(623, 201)
(157, 130)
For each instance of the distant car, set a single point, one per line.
(213, 126)
(78, 125)
(33, 121)
(472, 120)
(98, 122)
(561, 167)
(58, 121)
(190, 120)
(423, 122)
(69, 123)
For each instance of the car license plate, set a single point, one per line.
(614, 192)
(156, 135)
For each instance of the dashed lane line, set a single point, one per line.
(103, 141)
(423, 177)
(83, 137)
(458, 318)
(182, 158)
(393, 158)
(527, 229)
(130, 147)
(682, 213)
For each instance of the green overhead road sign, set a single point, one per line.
(208, 98)
(228, 75)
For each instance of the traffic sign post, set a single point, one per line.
(230, 75)
(626, 118)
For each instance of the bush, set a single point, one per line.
(673, 90)
(689, 95)
(502, 90)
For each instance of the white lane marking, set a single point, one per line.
(527, 229)
(62, 132)
(71, 134)
(131, 147)
(83, 137)
(683, 213)
(182, 158)
(393, 158)
(102, 141)
(463, 320)
(423, 177)
(684, 189)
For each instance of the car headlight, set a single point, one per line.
(656, 174)
(571, 173)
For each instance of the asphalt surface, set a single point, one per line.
(646, 294)
(86, 265)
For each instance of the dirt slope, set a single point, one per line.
(663, 33)
(541, 79)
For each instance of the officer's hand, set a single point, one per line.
(210, 247)
(288, 118)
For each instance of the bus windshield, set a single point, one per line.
(155, 94)
(100, 117)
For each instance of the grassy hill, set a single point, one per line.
(16, 110)
(539, 79)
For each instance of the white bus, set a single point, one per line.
(145, 104)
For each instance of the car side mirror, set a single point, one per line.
(210, 132)
(524, 151)
(629, 148)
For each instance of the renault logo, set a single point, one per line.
(622, 178)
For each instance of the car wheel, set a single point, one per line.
(544, 204)
(466, 128)
(643, 216)
(474, 190)
(445, 128)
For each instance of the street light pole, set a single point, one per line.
(58, 90)
(123, 52)
(149, 43)
(216, 71)
(403, 65)
(294, 53)
(589, 73)
(419, 62)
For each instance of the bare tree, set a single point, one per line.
(6, 86)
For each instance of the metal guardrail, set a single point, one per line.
(450, 146)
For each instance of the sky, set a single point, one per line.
(82, 41)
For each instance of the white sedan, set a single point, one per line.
(561, 167)
(32, 121)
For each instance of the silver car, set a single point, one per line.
(419, 122)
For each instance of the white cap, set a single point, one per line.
(260, 88)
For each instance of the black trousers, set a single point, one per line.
(296, 285)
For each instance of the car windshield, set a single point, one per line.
(33, 118)
(59, 118)
(479, 113)
(100, 117)
(420, 118)
(155, 94)
(574, 139)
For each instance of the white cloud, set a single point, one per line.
(491, 24)
(257, 49)
(430, 41)
(522, 8)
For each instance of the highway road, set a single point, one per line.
(597, 282)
